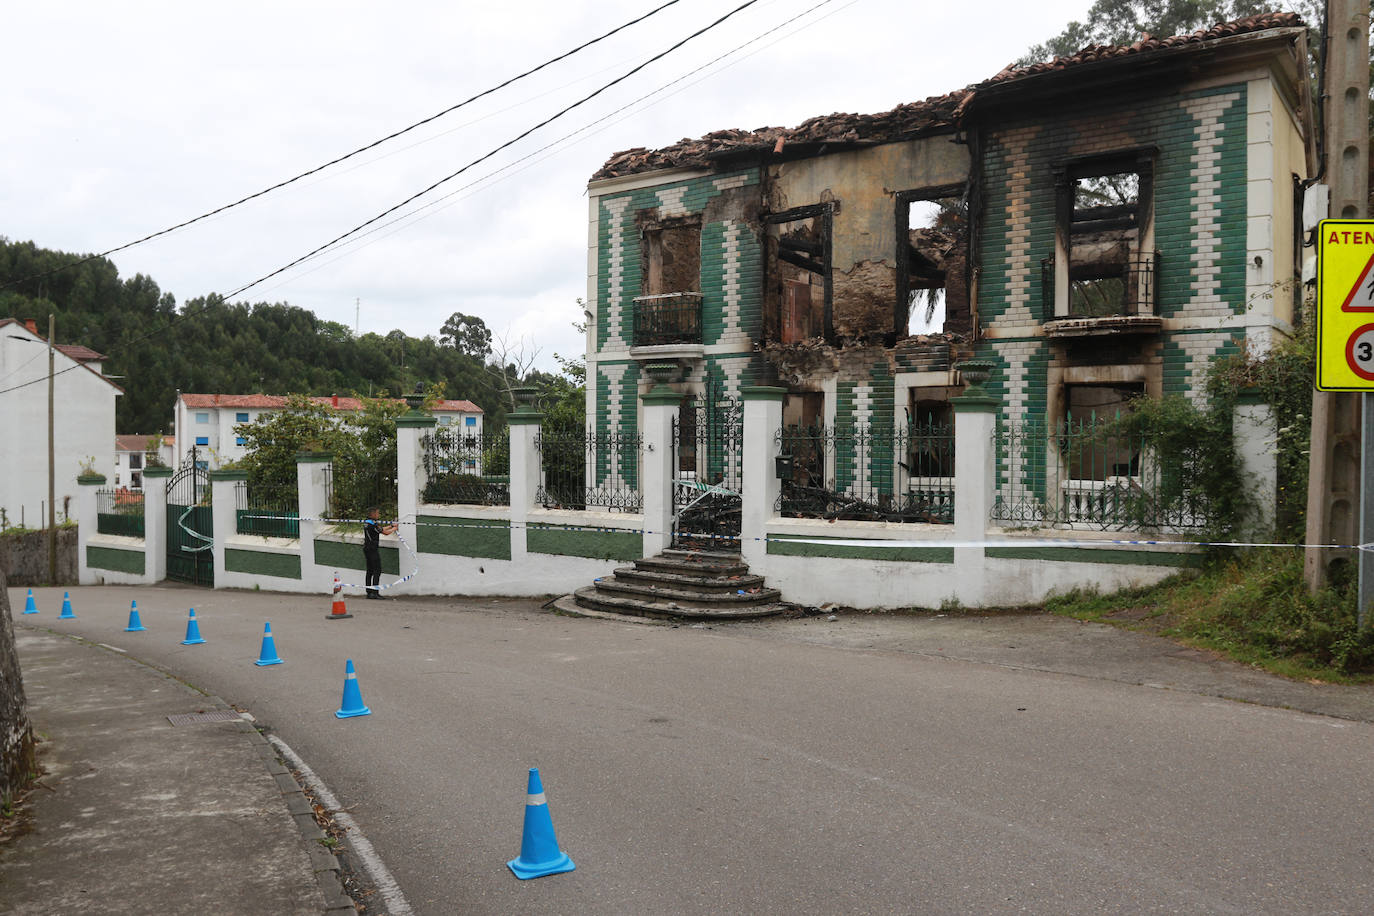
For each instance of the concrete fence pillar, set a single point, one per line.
(86, 520)
(312, 494)
(1256, 434)
(524, 473)
(759, 477)
(656, 466)
(411, 478)
(224, 511)
(155, 481)
(975, 486)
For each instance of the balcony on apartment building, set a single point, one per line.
(667, 325)
(1112, 297)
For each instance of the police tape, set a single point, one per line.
(401, 581)
(873, 543)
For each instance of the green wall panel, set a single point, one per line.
(260, 563)
(114, 559)
(463, 537)
(350, 556)
(598, 545)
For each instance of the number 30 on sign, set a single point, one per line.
(1345, 305)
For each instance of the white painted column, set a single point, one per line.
(762, 421)
(656, 467)
(86, 521)
(155, 481)
(410, 472)
(975, 485)
(524, 475)
(1255, 434)
(223, 508)
(312, 468)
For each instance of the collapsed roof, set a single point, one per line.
(905, 122)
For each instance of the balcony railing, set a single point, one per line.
(670, 318)
(1126, 291)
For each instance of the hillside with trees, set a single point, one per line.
(155, 347)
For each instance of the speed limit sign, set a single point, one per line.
(1345, 305)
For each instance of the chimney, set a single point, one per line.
(32, 325)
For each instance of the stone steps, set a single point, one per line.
(679, 585)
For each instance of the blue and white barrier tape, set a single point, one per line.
(401, 581)
(853, 542)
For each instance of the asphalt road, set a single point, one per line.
(776, 768)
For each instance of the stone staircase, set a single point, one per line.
(678, 585)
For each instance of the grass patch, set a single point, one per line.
(1253, 608)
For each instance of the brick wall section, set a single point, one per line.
(731, 284)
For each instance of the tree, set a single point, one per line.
(466, 333)
(1121, 22)
(511, 364)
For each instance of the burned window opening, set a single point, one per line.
(671, 257)
(1089, 455)
(932, 257)
(798, 304)
(1103, 227)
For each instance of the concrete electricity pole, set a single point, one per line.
(52, 463)
(1339, 437)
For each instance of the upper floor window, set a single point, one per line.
(469, 421)
(798, 298)
(932, 261)
(202, 440)
(445, 421)
(1104, 261)
(671, 256)
(135, 460)
(241, 417)
(202, 417)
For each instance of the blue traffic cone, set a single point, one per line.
(66, 608)
(352, 697)
(29, 606)
(192, 631)
(268, 655)
(135, 625)
(539, 852)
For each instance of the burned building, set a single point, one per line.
(1101, 227)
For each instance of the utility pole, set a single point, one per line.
(52, 462)
(357, 314)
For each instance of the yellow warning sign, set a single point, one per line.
(1345, 305)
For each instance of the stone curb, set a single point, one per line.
(325, 864)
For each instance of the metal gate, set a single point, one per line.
(190, 531)
(708, 460)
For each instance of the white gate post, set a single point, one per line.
(224, 511)
(86, 522)
(975, 480)
(410, 472)
(759, 477)
(312, 470)
(155, 481)
(1256, 435)
(661, 405)
(524, 424)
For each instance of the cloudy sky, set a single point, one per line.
(123, 119)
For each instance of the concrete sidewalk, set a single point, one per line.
(137, 815)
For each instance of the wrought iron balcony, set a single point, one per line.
(669, 318)
(1104, 301)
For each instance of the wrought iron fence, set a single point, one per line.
(254, 514)
(468, 468)
(582, 469)
(119, 511)
(351, 492)
(1091, 475)
(901, 473)
(667, 319)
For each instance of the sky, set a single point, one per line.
(126, 119)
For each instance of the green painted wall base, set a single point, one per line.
(463, 537)
(597, 545)
(115, 560)
(1097, 555)
(350, 556)
(896, 554)
(258, 563)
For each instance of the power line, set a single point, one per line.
(413, 216)
(511, 142)
(215, 299)
(358, 151)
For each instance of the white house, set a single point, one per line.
(131, 456)
(84, 427)
(205, 422)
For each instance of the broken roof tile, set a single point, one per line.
(905, 121)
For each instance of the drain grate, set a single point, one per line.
(193, 718)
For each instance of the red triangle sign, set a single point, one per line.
(1363, 291)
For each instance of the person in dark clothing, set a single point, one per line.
(373, 529)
